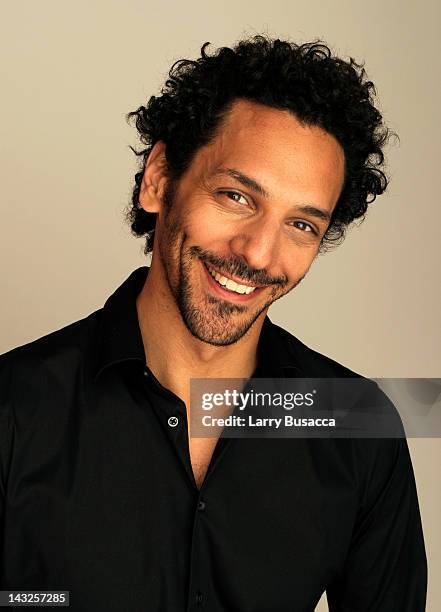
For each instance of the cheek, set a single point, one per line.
(298, 265)
(168, 234)
(205, 229)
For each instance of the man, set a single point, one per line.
(257, 158)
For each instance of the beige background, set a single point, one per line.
(71, 71)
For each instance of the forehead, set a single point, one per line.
(274, 147)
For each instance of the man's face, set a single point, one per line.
(252, 208)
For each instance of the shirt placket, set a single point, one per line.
(171, 413)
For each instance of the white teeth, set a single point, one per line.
(230, 284)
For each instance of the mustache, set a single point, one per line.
(237, 268)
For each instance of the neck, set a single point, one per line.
(174, 355)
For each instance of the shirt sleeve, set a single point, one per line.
(6, 430)
(385, 568)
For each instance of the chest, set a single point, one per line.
(201, 451)
(128, 507)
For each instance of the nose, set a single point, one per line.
(258, 243)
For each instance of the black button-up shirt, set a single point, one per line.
(98, 497)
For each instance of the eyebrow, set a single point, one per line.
(247, 181)
(313, 211)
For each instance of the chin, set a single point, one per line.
(223, 331)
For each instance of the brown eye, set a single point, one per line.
(235, 196)
(303, 226)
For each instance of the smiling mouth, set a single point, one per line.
(228, 283)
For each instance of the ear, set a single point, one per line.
(154, 179)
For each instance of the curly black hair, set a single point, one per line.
(319, 88)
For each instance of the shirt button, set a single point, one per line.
(173, 421)
(201, 505)
(145, 372)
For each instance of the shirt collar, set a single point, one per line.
(119, 336)
(120, 339)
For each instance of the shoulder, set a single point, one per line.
(57, 353)
(37, 381)
(379, 451)
(358, 393)
(309, 361)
